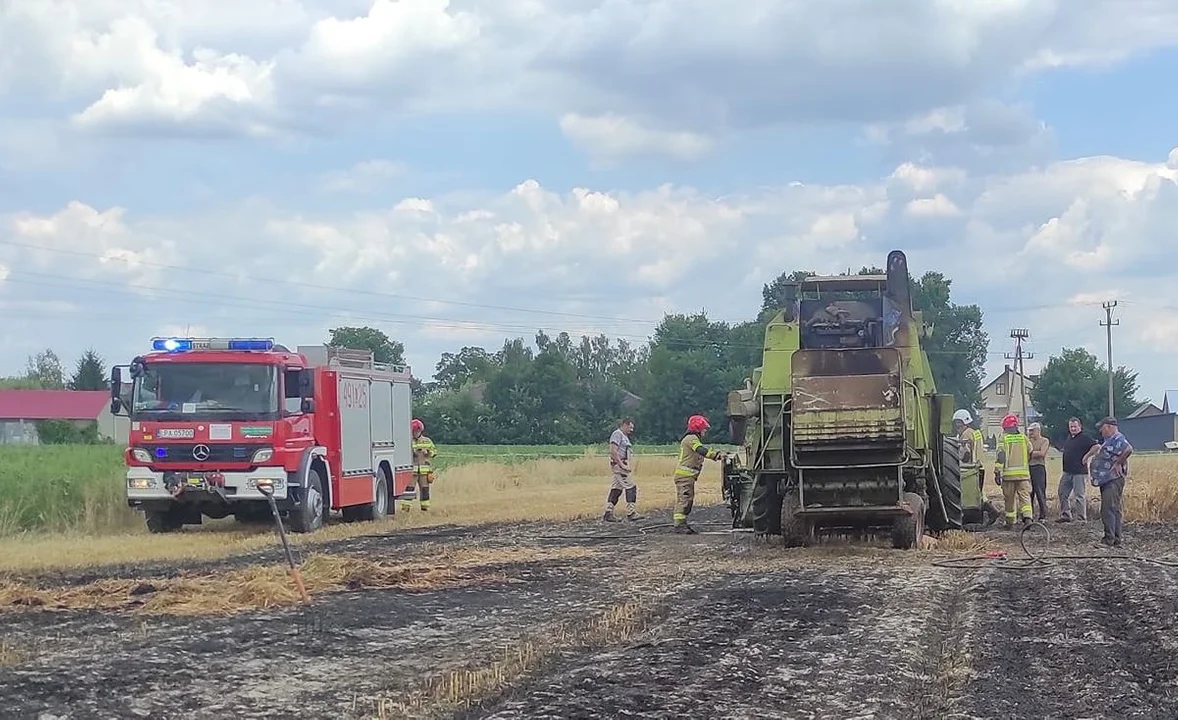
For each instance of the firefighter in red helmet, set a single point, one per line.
(692, 452)
(1012, 470)
(424, 451)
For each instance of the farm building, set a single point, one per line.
(21, 409)
(1150, 427)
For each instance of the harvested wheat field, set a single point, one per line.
(563, 617)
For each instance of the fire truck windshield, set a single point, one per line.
(206, 391)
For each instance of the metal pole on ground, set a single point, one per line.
(266, 487)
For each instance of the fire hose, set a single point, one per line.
(1034, 560)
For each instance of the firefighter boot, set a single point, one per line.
(684, 529)
(608, 516)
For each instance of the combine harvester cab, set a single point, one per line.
(212, 418)
(843, 428)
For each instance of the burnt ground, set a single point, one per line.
(650, 625)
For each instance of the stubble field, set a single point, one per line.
(511, 600)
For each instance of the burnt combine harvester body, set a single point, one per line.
(843, 427)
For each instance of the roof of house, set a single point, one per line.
(1145, 409)
(1007, 372)
(1170, 401)
(52, 404)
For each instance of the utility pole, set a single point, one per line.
(1108, 324)
(1018, 335)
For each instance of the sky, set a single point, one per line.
(456, 173)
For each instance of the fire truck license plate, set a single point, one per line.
(196, 481)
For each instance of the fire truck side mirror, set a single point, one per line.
(307, 406)
(116, 390)
(307, 383)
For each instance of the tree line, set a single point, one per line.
(557, 389)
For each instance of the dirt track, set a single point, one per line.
(711, 626)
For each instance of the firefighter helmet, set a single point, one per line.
(1009, 422)
(963, 415)
(697, 424)
(416, 425)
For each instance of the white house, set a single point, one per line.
(1003, 396)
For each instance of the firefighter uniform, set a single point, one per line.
(692, 453)
(1013, 470)
(424, 451)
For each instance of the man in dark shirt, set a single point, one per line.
(1074, 479)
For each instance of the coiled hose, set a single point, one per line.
(1034, 560)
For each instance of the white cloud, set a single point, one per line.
(365, 176)
(438, 271)
(935, 206)
(1161, 334)
(924, 179)
(609, 138)
(270, 66)
(92, 243)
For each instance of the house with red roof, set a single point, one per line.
(21, 409)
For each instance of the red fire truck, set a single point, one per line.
(327, 428)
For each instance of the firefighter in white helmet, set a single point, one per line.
(970, 437)
(971, 442)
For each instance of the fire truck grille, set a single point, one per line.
(196, 452)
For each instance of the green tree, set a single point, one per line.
(19, 383)
(44, 371)
(90, 373)
(384, 349)
(958, 345)
(694, 362)
(470, 364)
(66, 432)
(1075, 383)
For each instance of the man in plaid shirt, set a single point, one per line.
(1108, 465)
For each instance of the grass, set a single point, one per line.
(477, 491)
(63, 507)
(1151, 493)
(254, 587)
(79, 488)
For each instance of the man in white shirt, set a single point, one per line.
(620, 456)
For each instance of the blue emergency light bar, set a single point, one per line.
(173, 345)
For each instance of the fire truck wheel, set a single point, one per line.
(377, 510)
(163, 521)
(308, 515)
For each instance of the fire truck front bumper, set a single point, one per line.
(147, 484)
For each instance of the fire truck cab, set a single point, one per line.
(326, 428)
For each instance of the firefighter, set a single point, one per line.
(692, 452)
(972, 445)
(424, 451)
(1012, 470)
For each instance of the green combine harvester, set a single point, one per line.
(843, 428)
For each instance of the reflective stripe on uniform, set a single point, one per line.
(690, 461)
(1016, 465)
(423, 450)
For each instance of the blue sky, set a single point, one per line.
(591, 165)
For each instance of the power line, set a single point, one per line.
(1108, 324)
(186, 294)
(314, 286)
(381, 294)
